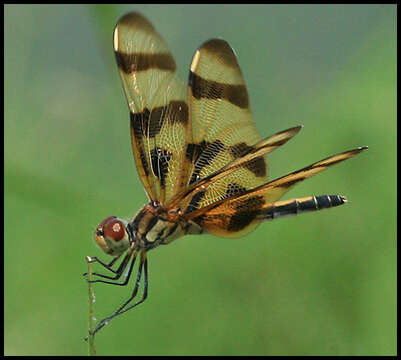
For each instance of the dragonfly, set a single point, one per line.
(198, 154)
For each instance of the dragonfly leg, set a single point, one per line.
(120, 271)
(117, 272)
(107, 266)
(143, 265)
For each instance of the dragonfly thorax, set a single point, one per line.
(154, 226)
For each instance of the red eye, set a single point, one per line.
(114, 229)
(112, 237)
(105, 221)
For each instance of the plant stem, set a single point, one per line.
(91, 299)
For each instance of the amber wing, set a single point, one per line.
(157, 103)
(238, 215)
(222, 131)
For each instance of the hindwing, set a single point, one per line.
(240, 214)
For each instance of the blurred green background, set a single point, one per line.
(316, 284)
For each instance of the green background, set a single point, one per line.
(316, 284)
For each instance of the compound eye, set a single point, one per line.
(112, 237)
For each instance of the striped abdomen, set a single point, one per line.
(298, 206)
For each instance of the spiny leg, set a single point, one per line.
(107, 266)
(121, 310)
(127, 277)
(106, 320)
(145, 292)
(117, 272)
(128, 274)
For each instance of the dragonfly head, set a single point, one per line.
(112, 236)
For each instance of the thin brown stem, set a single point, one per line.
(91, 300)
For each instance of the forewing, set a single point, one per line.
(222, 126)
(240, 214)
(157, 103)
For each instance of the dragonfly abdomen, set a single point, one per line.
(298, 206)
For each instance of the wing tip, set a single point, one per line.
(358, 150)
(220, 47)
(135, 20)
(132, 20)
(298, 128)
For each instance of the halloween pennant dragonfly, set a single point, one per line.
(197, 152)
